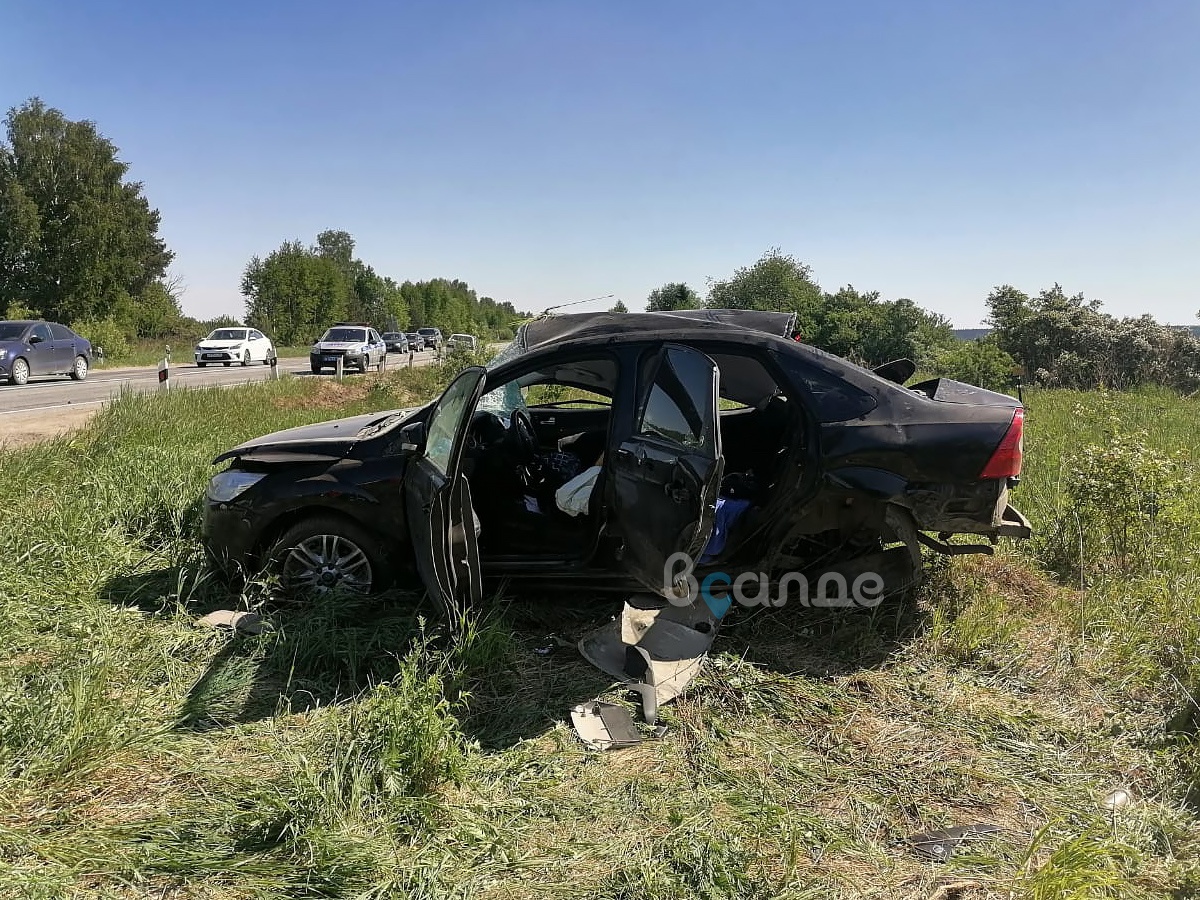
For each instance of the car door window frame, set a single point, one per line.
(650, 369)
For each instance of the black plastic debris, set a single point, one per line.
(940, 845)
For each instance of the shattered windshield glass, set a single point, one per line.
(507, 397)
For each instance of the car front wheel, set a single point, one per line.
(79, 371)
(325, 555)
(245, 359)
(20, 372)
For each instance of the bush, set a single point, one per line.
(1127, 498)
(105, 336)
(980, 362)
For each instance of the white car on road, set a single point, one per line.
(235, 345)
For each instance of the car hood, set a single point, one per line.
(219, 345)
(321, 440)
(339, 345)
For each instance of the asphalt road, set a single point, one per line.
(61, 393)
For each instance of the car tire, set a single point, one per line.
(79, 370)
(245, 359)
(20, 371)
(201, 365)
(327, 553)
(227, 365)
(316, 370)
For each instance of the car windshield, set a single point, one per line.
(345, 335)
(10, 331)
(392, 335)
(426, 331)
(228, 334)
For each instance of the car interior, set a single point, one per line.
(529, 437)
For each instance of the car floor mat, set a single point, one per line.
(668, 644)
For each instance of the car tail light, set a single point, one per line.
(1006, 461)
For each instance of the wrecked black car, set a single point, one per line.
(638, 452)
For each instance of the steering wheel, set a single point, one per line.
(523, 429)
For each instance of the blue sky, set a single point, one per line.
(545, 151)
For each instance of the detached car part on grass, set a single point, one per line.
(833, 469)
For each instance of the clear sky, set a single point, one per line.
(551, 150)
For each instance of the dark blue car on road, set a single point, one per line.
(30, 348)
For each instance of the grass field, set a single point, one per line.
(362, 750)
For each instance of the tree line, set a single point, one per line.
(79, 244)
(297, 291)
(1050, 339)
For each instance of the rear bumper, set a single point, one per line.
(1013, 523)
(979, 507)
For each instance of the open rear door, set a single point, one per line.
(666, 473)
(438, 499)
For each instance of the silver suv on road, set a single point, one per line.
(358, 346)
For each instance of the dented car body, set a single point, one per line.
(684, 418)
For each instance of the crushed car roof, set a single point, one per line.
(555, 329)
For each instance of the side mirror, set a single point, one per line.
(412, 437)
(36, 339)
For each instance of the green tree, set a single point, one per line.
(619, 307)
(294, 294)
(776, 282)
(674, 295)
(77, 241)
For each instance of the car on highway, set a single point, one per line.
(29, 348)
(416, 343)
(432, 338)
(709, 436)
(357, 345)
(226, 346)
(462, 343)
(396, 341)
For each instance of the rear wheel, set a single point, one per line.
(20, 372)
(79, 371)
(325, 555)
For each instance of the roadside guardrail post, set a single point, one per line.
(274, 367)
(337, 368)
(164, 374)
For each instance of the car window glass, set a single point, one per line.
(833, 398)
(581, 382)
(41, 331)
(445, 419)
(345, 335)
(256, 336)
(676, 407)
(61, 332)
(228, 334)
(11, 331)
(374, 337)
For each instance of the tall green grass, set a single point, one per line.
(362, 748)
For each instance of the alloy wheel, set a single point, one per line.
(325, 563)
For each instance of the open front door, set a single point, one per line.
(665, 475)
(438, 498)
